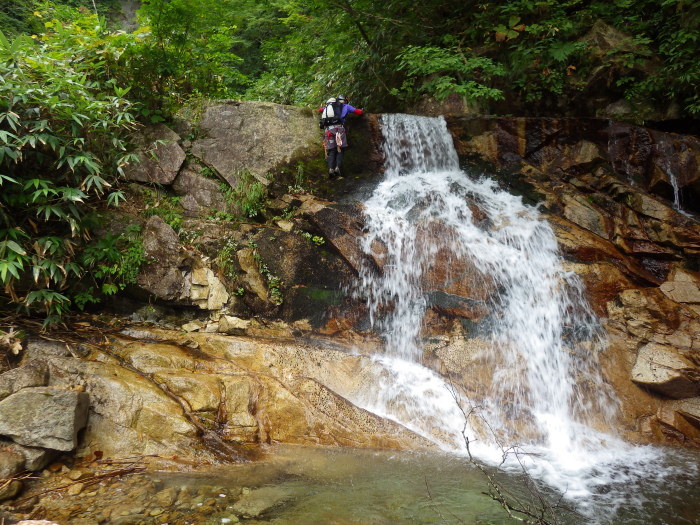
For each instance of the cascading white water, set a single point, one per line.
(543, 340)
(424, 191)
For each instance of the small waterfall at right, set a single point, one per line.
(537, 390)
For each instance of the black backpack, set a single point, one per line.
(331, 114)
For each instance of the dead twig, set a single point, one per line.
(543, 512)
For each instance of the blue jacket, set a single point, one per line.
(347, 108)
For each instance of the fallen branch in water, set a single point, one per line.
(542, 511)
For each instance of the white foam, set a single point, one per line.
(544, 340)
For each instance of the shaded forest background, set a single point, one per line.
(77, 77)
(536, 57)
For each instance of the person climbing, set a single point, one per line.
(335, 140)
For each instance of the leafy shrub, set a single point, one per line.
(112, 262)
(249, 195)
(63, 129)
(441, 72)
(166, 207)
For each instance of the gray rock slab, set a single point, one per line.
(33, 374)
(160, 156)
(38, 349)
(46, 417)
(34, 458)
(237, 136)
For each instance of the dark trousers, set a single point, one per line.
(335, 158)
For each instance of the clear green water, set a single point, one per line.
(300, 485)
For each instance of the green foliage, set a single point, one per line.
(249, 195)
(441, 72)
(164, 206)
(184, 50)
(15, 16)
(63, 128)
(316, 239)
(227, 258)
(113, 262)
(535, 53)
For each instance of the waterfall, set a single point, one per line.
(542, 339)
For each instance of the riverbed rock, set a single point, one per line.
(10, 490)
(234, 389)
(229, 324)
(46, 417)
(129, 413)
(256, 502)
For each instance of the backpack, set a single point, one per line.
(331, 113)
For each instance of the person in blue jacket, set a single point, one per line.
(335, 140)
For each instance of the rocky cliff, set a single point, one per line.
(623, 201)
(259, 337)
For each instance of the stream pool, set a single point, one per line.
(300, 485)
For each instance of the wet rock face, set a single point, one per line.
(605, 188)
(196, 395)
(655, 161)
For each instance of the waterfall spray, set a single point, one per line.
(542, 338)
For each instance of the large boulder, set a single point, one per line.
(254, 136)
(45, 417)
